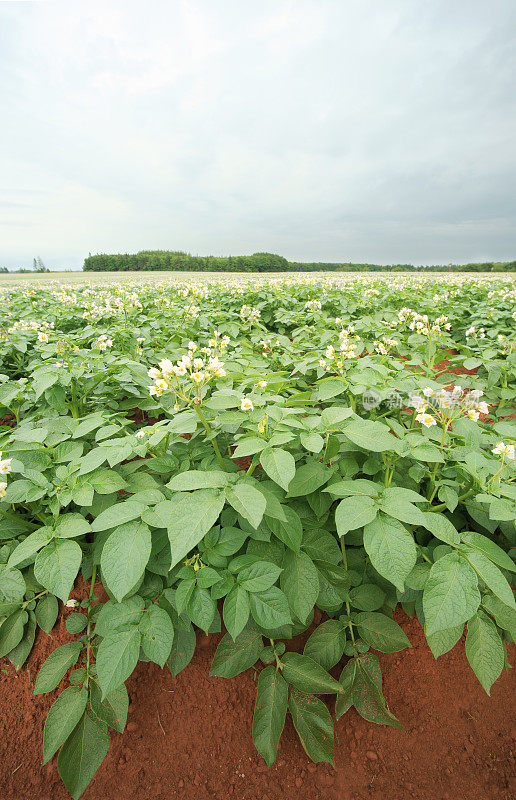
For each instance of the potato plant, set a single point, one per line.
(238, 456)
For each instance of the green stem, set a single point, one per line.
(88, 627)
(212, 437)
(348, 608)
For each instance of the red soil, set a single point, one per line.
(190, 737)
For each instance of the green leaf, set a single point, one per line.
(279, 465)
(368, 697)
(70, 526)
(47, 610)
(247, 501)
(354, 512)
(82, 754)
(11, 631)
(197, 479)
(124, 557)
(485, 650)
(326, 644)
(157, 634)
(117, 657)
(236, 610)
(290, 532)
(117, 515)
(308, 478)
(233, 657)
(62, 718)
(113, 709)
(118, 617)
(381, 632)
(76, 623)
(56, 666)
(270, 711)
(19, 654)
(441, 527)
(270, 608)
(57, 565)
(191, 520)
(451, 595)
(314, 726)
(505, 617)
(367, 597)
(106, 481)
(307, 675)
(391, 548)
(31, 545)
(300, 583)
(183, 648)
(489, 549)
(491, 576)
(259, 576)
(443, 641)
(201, 609)
(370, 435)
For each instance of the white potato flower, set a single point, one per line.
(426, 419)
(504, 450)
(246, 404)
(3, 487)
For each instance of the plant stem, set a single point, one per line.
(212, 437)
(88, 627)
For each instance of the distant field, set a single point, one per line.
(101, 278)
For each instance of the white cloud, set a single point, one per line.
(378, 130)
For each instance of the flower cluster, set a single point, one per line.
(506, 451)
(420, 323)
(102, 343)
(313, 305)
(194, 369)
(472, 333)
(5, 469)
(334, 358)
(448, 405)
(385, 345)
(248, 314)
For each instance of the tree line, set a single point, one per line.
(163, 260)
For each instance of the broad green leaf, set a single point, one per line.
(124, 557)
(391, 548)
(236, 610)
(106, 481)
(113, 709)
(308, 478)
(313, 724)
(71, 525)
(441, 527)
(492, 576)
(29, 547)
(259, 576)
(489, 549)
(289, 532)
(354, 512)
(157, 634)
(451, 595)
(82, 754)
(62, 718)
(247, 501)
(381, 632)
(485, 650)
(117, 657)
(57, 565)
(443, 641)
(307, 675)
(370, 435)
(197, 479)
(193, 517)
(183, 648)
(11, 631)
(117, 515)
(233, 657)
(368, 697)
(201, 609)
(367, 596)
(56, 666)
(47, 610)
(326, 644)
(279, 465)
(118, 617)
(504, 616)
(300, 583)
(270, 711)
(270, 608)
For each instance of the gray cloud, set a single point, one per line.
(365, 130)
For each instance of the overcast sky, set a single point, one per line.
(324, 130)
